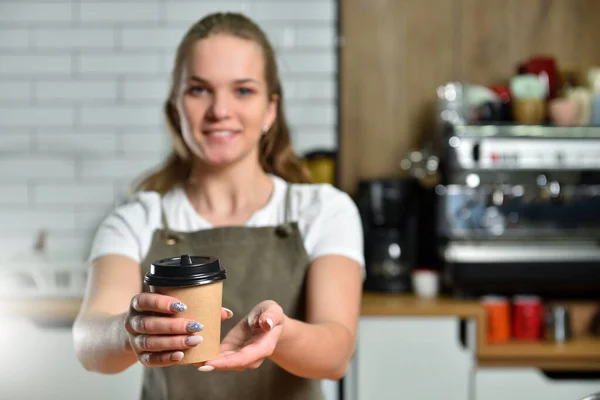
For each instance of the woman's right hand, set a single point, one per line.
(155, 335)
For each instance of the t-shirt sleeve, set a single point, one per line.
(128, 229)
(338, 228)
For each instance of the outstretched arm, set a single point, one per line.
(322, 347)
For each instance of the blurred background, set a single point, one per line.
(467, 131)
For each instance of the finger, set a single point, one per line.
(226, 313)
(164, 325)
(203, 367)
(157, 343)
(246, 356)
(256, 364)
(254, 317)
(161, 359)
(266, 323)
(208, 367)
(155, 302)
(233, 361)
(271, 316)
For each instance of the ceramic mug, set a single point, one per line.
(425, 283)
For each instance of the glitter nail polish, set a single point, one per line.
(178, 307)
(194, 327)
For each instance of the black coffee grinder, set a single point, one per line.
(388, 209)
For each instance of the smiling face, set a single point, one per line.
(224, 103)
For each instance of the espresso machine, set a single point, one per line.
(517, 207)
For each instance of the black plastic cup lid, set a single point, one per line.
(184, 271)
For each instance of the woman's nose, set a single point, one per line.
(219, 108)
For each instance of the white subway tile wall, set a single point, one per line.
(81, 88)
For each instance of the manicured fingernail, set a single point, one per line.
(176, 356)
(229, 312)
(193, 340)
(206, 368)
(145, 358)
(270, 322)
(178, 306)
(193, 327)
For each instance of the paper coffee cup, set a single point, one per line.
(197, 282)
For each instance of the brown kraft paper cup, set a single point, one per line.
(198, 283)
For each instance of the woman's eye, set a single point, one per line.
(196, 90)
(244, 91)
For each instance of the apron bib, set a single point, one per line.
(264, 263)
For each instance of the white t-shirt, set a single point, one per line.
(327, 217)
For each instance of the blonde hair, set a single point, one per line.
(276, 154)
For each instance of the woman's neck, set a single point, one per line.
(229, 196)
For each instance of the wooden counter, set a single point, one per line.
(408, 305)
(580, 353)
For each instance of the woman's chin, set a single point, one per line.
(220, 160)
(225, 157)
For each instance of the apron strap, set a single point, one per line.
(288, 202)
(163, 216)
(286, 229)
(169, 237)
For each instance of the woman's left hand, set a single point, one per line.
(252, 340)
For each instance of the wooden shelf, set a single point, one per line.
(377, 304)
(543, 131)
(578, 353)
(581, 347)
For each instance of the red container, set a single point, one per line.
(527, 318)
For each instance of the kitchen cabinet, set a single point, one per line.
(411, 358)
(527, 384)
(39, 363)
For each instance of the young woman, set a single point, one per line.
(232, 188)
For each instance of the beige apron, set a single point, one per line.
(266, 263)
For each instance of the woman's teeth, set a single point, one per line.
(221, 133)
